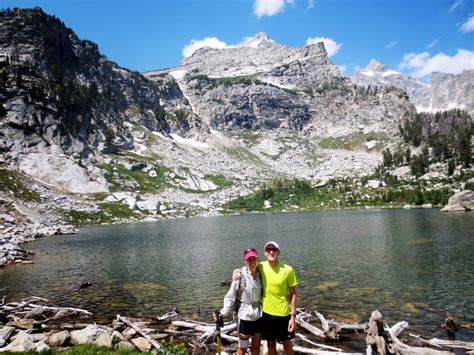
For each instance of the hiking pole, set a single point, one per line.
(219, 324)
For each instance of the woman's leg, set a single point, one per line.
(256, 340)
(244, 343)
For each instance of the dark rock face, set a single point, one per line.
(245, 103)
(56, 88)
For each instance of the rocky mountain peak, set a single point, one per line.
(260, 39)
(375, 66)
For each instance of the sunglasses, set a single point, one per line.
(269, 250)
(250, 250)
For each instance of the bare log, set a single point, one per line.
(304, 350)
(310, 328)
(139, 331)
(397, 346)
(457, 344)
(322, 346)
(331, 330)
(399, 327)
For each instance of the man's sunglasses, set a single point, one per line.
(268, 250)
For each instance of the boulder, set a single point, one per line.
(150, 204)
(41, 346)
(129, 332)
(103, 339)
(5, 334)
(125, 346)
(117, 337)
(21, 342)
(142, 344)
(462, 201)
(59, 339)
(90, 335)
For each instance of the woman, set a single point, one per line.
(246, 293)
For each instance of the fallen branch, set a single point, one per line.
(139, 331)
(446, 343)
(310, 328)
(322, 346)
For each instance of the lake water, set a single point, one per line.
(409, 264)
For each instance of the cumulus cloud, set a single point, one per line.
(342, 68)
(391, 44)
(455, 5)
(422, 64)
(310, 4)
(211, 42)
(467, 26)
(433, 43)
(269, 7)
(332, 47)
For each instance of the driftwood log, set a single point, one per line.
(313, 333)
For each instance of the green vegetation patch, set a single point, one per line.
(110, 212)
(11, 181)
(355, 141)
(291, 195)
(138, 181)
(219, 180)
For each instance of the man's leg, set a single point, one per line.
(288, 346)
(272, 347)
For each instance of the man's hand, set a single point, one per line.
(236, 275)
(292, 324)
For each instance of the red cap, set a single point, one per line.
(249, 253)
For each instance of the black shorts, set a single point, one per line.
(276, 328)
(249, 328)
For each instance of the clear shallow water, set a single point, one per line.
(410, 265)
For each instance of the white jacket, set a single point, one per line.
(249, 296)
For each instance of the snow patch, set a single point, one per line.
(188, 141)
(178, 74)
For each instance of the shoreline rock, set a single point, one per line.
(462, 201)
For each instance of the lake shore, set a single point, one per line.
(33, 324)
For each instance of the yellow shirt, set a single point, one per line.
(276, 282)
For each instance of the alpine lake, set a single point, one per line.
(409, 264)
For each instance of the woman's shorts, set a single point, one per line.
(276, 328)
(249, 328)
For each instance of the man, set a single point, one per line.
(279, 281)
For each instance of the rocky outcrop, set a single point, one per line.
(56, 89)
(444, 92)
(452, 91)
(462, 201)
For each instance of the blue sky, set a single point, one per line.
(413, 36)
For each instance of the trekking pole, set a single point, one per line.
(219, 324)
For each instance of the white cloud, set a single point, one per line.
(342, 68)
(433, 43)
(269, 7)
(211, 42)
(332, 47)
(422, 64)
(456, 4)
(467, 26)
(391, 44)
(310, 4)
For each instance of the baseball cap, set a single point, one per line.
(271, 242)
(249, 253)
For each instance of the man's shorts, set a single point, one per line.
(249, 328)
(276, 328)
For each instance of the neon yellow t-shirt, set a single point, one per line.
(276, 282)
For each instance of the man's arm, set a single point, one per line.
(293, 303)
